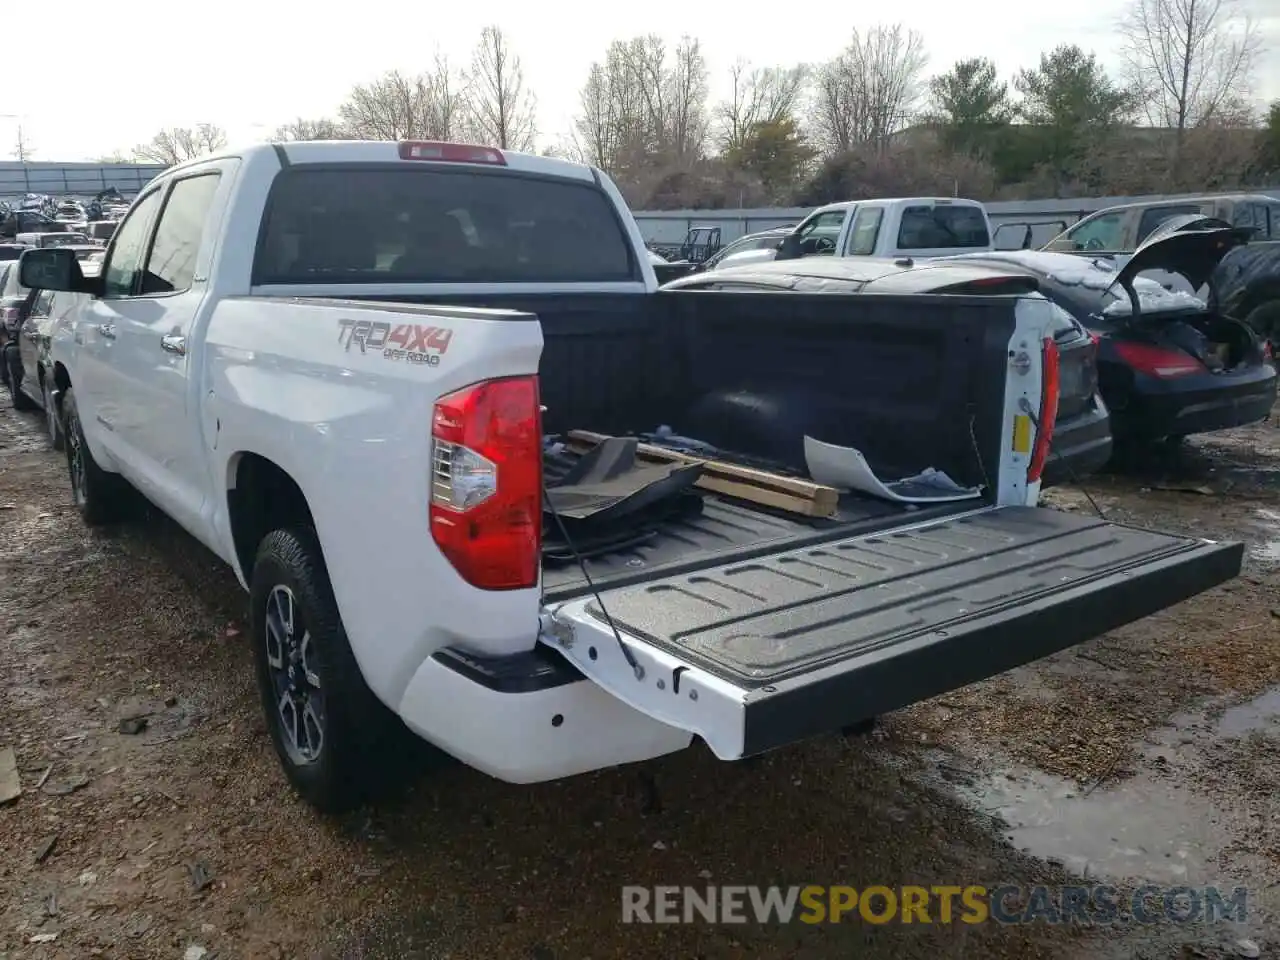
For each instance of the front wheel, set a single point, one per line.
(14, 378)
(330, 732)
(98, 495)
(53, 420)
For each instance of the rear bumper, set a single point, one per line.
(1081, 446)
(1155, 408)
(528, 718)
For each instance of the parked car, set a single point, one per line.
(355, 421)
(753, 248)
(27, 362)
(891, 227)
(1169, 364)
(1082, 433)
(1122, 229)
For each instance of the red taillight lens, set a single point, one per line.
(1049, 392)
(1157, 361)
(451, 152)
(486, 482)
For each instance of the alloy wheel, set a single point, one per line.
(290, 661)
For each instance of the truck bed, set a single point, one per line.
(725, 531)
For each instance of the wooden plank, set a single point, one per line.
(824, 495)
(751, 492)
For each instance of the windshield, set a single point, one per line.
(64, 240)
(942, 225)
(424, 224)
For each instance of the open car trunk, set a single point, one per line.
(753, 628)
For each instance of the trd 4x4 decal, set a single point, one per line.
(409, 342)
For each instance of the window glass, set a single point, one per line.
(43, 301)
(1157, 215)
(942, 225)
(1100, 233)
(818, 237)
(172, 261)
(417, 223)
(866, 228)
(124, 262)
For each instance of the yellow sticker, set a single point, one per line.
(1021, 433)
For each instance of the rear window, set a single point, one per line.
(427, 225)
(946, 225)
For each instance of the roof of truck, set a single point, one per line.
(388, 151)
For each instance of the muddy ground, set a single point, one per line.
(1151, 754)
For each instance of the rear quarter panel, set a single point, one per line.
(284, 379)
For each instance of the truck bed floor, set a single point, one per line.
(724, 532)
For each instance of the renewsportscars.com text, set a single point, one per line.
(1007, 904)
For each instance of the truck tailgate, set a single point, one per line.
(757, 654)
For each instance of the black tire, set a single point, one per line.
(1264, 320)
(52, 417)
(19, 399)
(100, 497)
(353, 759)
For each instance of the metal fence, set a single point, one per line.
(74, 179)
(670, 227)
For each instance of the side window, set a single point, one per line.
(121, 272)
(866, 229)
(1157, 215)
(818, 237)
(172, 262)
(1100, 233)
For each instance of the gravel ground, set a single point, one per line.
(1148, 754)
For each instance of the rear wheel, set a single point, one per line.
(331, 734)
(99, 496)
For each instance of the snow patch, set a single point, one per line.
(1152, 298)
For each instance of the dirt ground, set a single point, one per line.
(154, 823)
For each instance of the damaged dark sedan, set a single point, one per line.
(1170, 364)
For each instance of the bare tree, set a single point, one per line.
(868, 92)
(644, 105)
(179, 144)
(501, 110)
(686, 97)
(1191, 62)
(302, 129)
(761, 96)
(23, 149)
(427, 106)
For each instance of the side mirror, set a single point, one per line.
(51, 268)
(789, 248)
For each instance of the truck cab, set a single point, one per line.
(913, 227)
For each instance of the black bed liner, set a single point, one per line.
(757, 623)
(729, 531)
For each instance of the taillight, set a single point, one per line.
(486, 482)
(451, 152)
(1049, 392)
(1157, 361)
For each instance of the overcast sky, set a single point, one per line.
(127, 68)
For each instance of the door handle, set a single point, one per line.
(107, 330)
(172, 343)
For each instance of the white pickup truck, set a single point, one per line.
(914, 227)
(335, 364)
